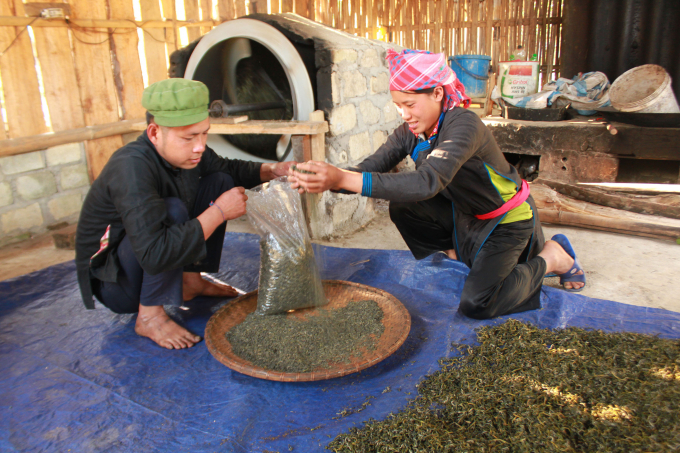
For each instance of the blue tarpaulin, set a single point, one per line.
(80, 381)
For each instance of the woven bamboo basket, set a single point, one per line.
(396, 320)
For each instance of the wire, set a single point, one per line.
(17, 36)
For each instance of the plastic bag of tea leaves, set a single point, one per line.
(289, 276)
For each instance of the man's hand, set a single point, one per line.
(325, 177)
(232, 203)
(271, 171)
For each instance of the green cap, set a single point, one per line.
(177, 102)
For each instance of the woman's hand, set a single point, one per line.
(325, 177)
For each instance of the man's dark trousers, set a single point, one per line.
(135, 286)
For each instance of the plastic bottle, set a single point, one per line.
(534, 57)
(520, 54)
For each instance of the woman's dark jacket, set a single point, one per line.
(455, 168)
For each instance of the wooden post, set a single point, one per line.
(314, 146)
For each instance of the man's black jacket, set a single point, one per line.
(128, 196)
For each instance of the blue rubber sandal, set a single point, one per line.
(569, 275)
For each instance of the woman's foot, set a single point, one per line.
(154, 323)
(194, 285)
(559, 262)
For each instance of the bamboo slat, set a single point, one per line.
(97, 88)
(53, 49)
(128, 76)
(19, 78)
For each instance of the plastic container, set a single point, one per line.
(644, 89)
(518, 78)
(473, 72)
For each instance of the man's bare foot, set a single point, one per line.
(559, 262)
(194, 285)
(154, 323)
(451, 254)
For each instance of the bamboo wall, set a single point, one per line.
(57, 75)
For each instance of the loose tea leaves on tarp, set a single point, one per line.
(525, 389)
(301, 344)
(289, 276)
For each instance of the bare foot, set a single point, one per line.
(559, 262)
(451, 254)
(194, 285)
(154, 323)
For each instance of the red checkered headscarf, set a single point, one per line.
(412, 70)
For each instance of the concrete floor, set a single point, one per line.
(628, 269)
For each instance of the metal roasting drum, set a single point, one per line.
(251, 68)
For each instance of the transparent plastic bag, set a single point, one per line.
(289, 276)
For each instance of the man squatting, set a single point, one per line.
(156, 215)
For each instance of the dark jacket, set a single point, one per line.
(128, 196)
(455, 168)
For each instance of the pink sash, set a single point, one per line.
(517, 199)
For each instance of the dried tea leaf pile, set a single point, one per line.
(525, 389)
(289, 344)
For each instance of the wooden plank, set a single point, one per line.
(97, 88)
(206, 14)
(225, 9)
(154, 43)
(170, 35)
(300, 8)
(191, 14)
(14, 146)
(286, 6)
(128, 70)
(240, 7)
(53, 49)
(19, 78)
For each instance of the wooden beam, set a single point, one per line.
(23, 21)
(23, 145)
(218, 126)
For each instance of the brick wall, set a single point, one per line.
(41, 189)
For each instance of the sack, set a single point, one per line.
(518, 78)
(289, 276)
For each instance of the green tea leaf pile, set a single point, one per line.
(288, 343)
(524, 389)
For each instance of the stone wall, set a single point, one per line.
(41, 189)
(352, 89)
